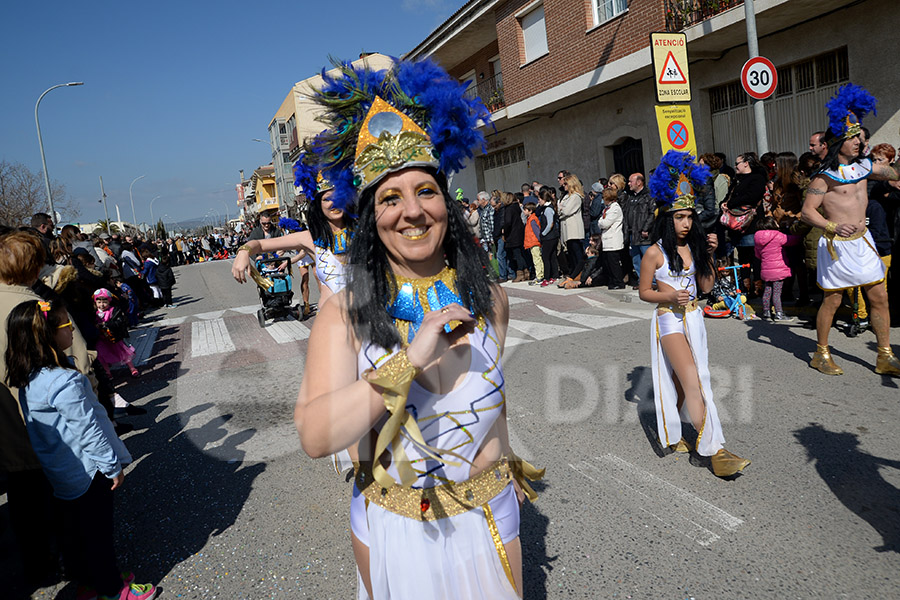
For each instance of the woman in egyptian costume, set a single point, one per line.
(676, 270)
(404, 365)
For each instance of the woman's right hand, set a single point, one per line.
(431, 341)
(679, 297)
(118, 480)
(241, 266)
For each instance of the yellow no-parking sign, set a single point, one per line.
(676, 128)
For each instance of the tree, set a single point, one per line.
(101, 227)
(22, 194)
(160, 230)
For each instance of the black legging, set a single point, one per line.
(548, 255)
(575, 256)
(516, 259)
(614, 267)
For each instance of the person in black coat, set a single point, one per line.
(165, 278)
(747, 191)
(514, 236)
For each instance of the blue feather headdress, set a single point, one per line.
(289, 224)
(846, 110)
(307, 170)
(673, 182)
(379, 122)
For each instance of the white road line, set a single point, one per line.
(542, 331)
(514, 341)
(172, 321)
(246, 310)
(513, 300)
(142, 340)
(642, 310)
(210, 337)
(592, 321)
(208, 316)
(676, 508)
(287, 331)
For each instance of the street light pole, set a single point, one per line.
(152, 222)
(37, 122)
(105, 209)
(133, 215)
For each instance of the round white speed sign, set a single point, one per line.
(759, 78)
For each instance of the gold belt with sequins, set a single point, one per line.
(439, 502)
(675, 308)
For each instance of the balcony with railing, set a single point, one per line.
(681, 14)
(490, 91)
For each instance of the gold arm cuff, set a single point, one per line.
(831, 227)
(394, 377)
(246, 248)
(523, 470)
(439, 502)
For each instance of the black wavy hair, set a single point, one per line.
(832, 157)
(371, 285)
(32, 341)
(664, 231)
(319, 226)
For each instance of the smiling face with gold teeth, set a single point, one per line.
(411, 221)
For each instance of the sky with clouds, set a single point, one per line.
(175, 91)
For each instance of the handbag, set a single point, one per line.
(737, 219)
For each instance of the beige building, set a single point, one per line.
(295, 121)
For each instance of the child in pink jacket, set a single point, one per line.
(769, 246)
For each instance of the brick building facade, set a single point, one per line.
(575, 86)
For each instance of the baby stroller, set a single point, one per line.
(275, 298)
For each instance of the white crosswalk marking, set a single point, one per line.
(592, 321)
(210, 337)
(287, 331)
(676, 508)
(638, 310)
(543, 331)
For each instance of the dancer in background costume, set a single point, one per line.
(328, 240)
(404, 364)
(836, 201)
(680, 261)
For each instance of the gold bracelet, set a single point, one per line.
(246, 248)
(831, 228)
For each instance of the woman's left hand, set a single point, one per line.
(712, 241)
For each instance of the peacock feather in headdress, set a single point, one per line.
(378, 122)
(673, 182)
(846, 110)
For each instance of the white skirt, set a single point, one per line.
(446, 559)
(665, 397)
(858, 264)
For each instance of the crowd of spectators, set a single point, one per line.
(562, 235)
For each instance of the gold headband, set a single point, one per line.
(388, 141)
(685, 197)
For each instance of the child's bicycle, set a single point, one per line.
(735, 306)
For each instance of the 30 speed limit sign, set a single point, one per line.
(759, 78)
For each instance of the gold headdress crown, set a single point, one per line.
(388, 141)
(322, 184)
(684, 194)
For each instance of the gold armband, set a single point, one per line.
(831, 227)
(395, 377)
(246, 248)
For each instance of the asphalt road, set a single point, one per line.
(222, 503)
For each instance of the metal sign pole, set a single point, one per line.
(759, 109)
